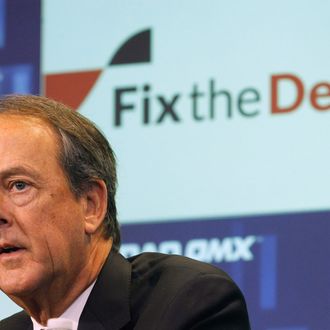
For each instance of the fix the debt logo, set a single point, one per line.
(199, 101)
(212, 250)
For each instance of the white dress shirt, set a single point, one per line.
(73, 312)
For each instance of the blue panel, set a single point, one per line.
(19, 46)
(279, 261)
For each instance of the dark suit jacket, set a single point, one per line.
(157, 292)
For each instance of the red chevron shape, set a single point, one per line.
(70, 88)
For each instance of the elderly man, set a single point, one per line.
(59, 237)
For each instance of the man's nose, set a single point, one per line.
(3, 212)
(4, 224)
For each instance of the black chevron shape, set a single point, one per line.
(137, 49)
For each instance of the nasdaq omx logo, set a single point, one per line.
(212, 250)
(146, 105)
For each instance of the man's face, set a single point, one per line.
(42, 234)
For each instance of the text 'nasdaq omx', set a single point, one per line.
(228, 249)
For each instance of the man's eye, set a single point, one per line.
(19, 185)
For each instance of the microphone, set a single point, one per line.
(60, 324)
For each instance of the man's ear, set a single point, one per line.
(96, 206)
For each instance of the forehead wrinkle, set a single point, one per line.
(19, 170)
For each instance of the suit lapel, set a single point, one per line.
(108, 304)
(19, 321)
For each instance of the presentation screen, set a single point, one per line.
(218, 113)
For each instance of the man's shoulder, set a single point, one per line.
(177, 290)
(18, 321)
(175, 272)
(169, 265)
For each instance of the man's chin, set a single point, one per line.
(19, 285)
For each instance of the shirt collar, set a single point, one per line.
(73, 312)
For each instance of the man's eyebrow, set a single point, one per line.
(19, 170)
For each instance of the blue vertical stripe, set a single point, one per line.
(22, 79)
(237, 268)
(2, 23)
(268, 273)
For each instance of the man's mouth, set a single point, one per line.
(9, 249)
